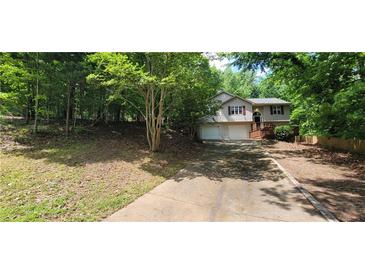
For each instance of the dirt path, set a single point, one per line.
(336, 179)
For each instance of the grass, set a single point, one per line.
(82, 178)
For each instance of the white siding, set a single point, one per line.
(267, 116)
(222, 114)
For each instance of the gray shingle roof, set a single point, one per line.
(268, 101)
(255, 101)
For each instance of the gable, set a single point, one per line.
(235, 101)
(239, 99)
(223, 96)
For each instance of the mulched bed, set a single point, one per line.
(335, 178)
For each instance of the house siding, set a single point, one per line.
(223, 126)
(223, 116)
(267, 116)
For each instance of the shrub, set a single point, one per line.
(284, 133)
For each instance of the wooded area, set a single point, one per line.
(172, 90)
(327, 90)
(83, 125)
(159, 88)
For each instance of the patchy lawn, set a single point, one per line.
(82, 178)
(336, 179)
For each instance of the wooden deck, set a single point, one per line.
(262, 131)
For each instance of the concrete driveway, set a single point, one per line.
(231, 182)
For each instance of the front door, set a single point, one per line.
(257, 119)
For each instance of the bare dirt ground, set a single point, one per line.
(336, 179)
(85, 177)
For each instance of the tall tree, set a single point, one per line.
(326, 89)
(35, 128)
(153, 83)
(241, 82)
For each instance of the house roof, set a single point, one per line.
(254, 101)
(236, 97)
(223, 91)
(268, 101)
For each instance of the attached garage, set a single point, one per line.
(210, 132)
(222, 131)
(238, 132)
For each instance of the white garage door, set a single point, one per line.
(238, 132)
(211, 132)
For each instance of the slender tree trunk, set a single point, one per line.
(117, 113)
(35, 128)
(68, 109)
(48, 111)
(154, 113)
(159, 119)
(27, 111)
(147, 104)
(153, 121)
(75, 114)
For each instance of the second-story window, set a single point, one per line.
(277, 110)
(235, 110)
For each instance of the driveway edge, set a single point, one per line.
(321, 208)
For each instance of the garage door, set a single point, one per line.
(238, 132)
(211, 132)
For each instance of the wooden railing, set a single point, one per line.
(260, 131)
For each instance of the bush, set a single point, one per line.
(284, 133)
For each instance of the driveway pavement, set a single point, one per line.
(231, 182)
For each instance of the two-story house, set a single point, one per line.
(240, 119)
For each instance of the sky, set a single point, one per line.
(220, 64)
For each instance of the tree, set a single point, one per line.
(326, 89)
(14, 79)
(241, 82)
(197, 84)
(35, 128)
(157, 85)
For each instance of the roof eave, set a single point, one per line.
(268, 104)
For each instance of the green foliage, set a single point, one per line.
(241, 83)
(198, 83)
(8, 102)
(326, 89)
(284, 133)
(185, 80)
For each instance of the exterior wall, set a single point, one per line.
(224, 128)
(267, 116)
(222, 114)
(223, 97)
(222, 117)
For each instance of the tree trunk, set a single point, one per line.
(28, 114)
(117, 113)
(153, 122)
(35, 128)
(75, 114)
(27, 111)
(68, 109)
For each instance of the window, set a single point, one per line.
(235, 110)
(277, 110)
